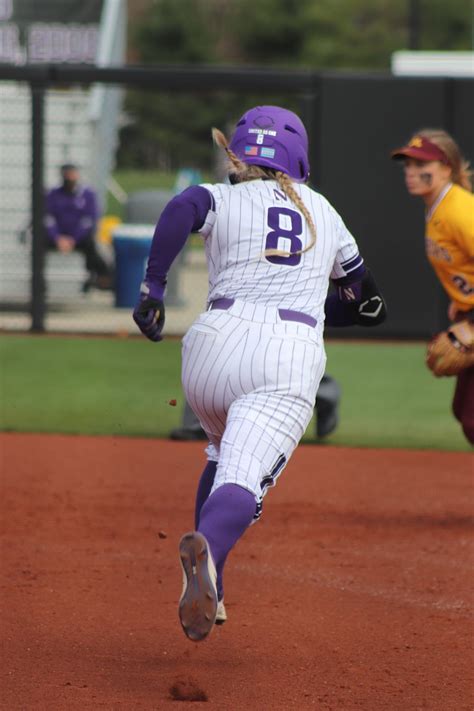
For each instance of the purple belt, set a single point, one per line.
(285, 314)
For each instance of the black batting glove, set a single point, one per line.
(149, 314)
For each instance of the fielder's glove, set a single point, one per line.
(149, 314)
(452, 351)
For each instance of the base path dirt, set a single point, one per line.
(354, 591)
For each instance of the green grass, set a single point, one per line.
(390, 399)
(89, 386)
(122, 387)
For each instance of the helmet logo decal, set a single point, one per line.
(263, 121)
(251, 150)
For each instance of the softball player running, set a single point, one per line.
(436, 171)
(252, 363)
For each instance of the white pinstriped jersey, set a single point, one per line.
(255, 215)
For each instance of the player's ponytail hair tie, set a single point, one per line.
(243, 172)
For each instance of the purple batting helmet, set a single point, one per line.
(275, 138)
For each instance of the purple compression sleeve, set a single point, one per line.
(225, 516)
(204, 489)
(339, 307)
(184, 214)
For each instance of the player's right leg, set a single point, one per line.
(206, 356)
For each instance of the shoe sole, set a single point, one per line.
(198, 604)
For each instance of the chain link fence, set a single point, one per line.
(146, 169)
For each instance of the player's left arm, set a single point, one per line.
(357, 300)
(184, 214)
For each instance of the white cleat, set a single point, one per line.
(221, 615)
(198, 603)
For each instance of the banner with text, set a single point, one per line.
(49, 31)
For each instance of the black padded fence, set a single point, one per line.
(362, 120)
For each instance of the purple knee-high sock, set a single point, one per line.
(204, 489)
(225, 516)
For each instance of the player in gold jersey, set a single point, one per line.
(436, 172)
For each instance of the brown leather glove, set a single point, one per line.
(452, 351)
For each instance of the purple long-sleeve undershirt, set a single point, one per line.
(184, 214)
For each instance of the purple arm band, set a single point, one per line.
(339, 307)
(184, 214)
(352, 278)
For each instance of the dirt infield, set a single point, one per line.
(353, 592)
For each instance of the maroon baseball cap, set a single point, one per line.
(420, 148)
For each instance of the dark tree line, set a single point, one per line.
(172, 130)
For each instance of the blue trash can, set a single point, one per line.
(131, 246)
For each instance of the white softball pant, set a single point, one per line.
(252, 379)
